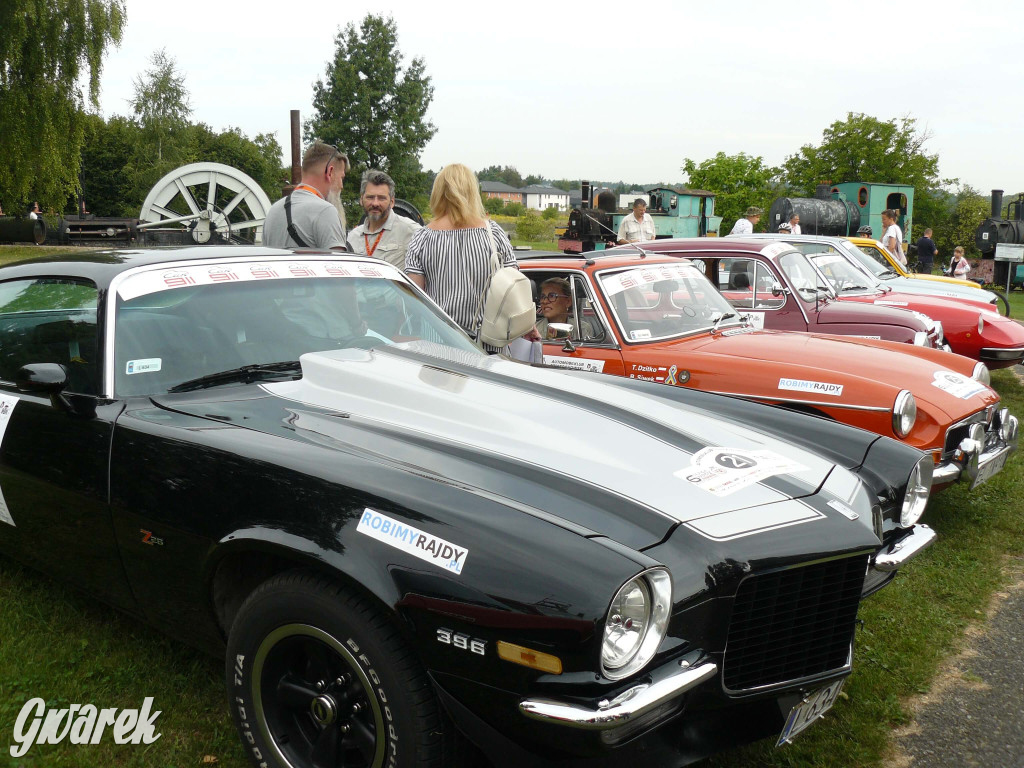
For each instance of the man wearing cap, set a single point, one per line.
(309, 216)
(745, 226)
(638, 228)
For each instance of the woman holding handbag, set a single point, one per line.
(452, 257)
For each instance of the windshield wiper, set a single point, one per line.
(718, 320)
(889, 273)
(854, 288)
(246, 374)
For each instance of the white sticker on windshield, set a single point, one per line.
(756, 319)
(152, 281)
(775, 249)
(149, 365)
(957, 385)
(722, 471)
(820, 387)
(642, 333)
(7, 404)
(574, 364)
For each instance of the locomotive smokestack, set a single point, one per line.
(585, 193)
(822, 192)
(997, 203)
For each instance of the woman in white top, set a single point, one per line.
(450, 258)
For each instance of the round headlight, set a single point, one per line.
(919, 487)
(981, 373)
(636, 623)
(904, 413)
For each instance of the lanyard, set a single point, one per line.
(308, 188)
(366, 240)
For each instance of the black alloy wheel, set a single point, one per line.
(319, 678)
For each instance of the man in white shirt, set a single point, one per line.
(794, 224)
(893, 237)
(638, 228)
(384, 234)
(745, 225)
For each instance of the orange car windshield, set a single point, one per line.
(664, 300)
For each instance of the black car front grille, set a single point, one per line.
(794, 623)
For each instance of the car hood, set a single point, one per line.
(860, 366)
(477, 421)
(944, 308)
(847, 312)
(919, 286)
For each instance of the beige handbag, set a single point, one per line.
(506, 307)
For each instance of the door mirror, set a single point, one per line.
(777, 289)
(42, 378)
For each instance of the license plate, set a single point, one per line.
(991, 469)
(809, 710)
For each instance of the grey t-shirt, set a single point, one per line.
(317, 221)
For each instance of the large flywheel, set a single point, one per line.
(210, 201)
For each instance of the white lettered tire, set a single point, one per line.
(318, 675)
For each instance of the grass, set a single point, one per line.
(9, 253)
(1016, 299)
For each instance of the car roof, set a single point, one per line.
(103, 266)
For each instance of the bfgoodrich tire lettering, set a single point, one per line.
(318, 676)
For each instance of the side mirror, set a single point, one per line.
(42, 378)
(777, 289)
(46, 379)
(562, 331)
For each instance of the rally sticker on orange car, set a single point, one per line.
(820, 387)
(957, 385)
(722, 471)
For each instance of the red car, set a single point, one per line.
(644, 316)
(777, 288)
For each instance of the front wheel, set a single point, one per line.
(317, 677)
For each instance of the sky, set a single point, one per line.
(611, 91)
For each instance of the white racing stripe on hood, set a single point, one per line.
(506, 420)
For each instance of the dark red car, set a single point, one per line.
(776, 286)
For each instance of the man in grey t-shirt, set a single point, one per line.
(314, 204)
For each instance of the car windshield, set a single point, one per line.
(843, 276)
(802, 276)
(245, 321)
(664, 300)
(873, 259)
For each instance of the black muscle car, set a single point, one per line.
(403, 546)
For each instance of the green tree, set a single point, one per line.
(507, 175)
(493, 205)
(738, 181)
(373, 107)
(864, 148)
(260, 158)
(161, 100)
(45, 48)
(968, 211)
(107, 165)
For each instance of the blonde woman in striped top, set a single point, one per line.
(450, 258)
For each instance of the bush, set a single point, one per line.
(493, 205)
(534, 228)
(514, 209)
(551, 213)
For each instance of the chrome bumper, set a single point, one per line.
(972, 459)
(624, 708)
(893, 556)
